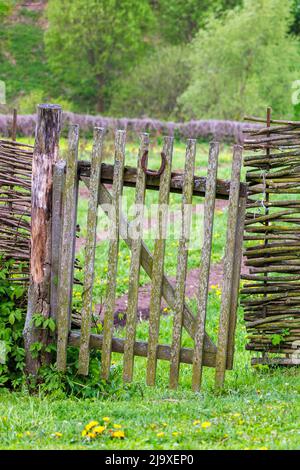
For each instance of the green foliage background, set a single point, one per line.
(171, 60)
(243, 61)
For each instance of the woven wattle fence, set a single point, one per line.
(272, 241)
(200, 129)
(15, 199)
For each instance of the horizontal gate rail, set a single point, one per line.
(141, 349)
(152, 182)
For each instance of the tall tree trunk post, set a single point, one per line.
(45, 156)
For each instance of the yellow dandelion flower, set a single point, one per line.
(165, 425)
(84, 433)
(28, 433)
(153, 426)
(118, 434)
(175, 433)
(117, 426)
(196, 422)
(58, 434)
(91, 425)
(160, 434)
(91, 435)
(106, 419)
(205, 425)
(99, 429)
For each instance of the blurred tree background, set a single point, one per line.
(178, 59)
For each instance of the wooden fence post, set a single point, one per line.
(14, 126)
(67, 249)
(44, 156)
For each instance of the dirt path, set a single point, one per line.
(192, 281)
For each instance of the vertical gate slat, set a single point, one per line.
(228, 269)
(57, 196)
(209, 208)
(113, 253)
(66, 273)
(136, 246)
(238, 251)
(158, 264)
(86, 312)
(187, 195)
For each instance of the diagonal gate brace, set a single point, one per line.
(146, 262)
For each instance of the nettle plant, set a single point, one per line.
(13, 303)
(12, 316)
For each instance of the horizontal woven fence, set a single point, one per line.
(15, 197)
(210, 129)
(272, 239)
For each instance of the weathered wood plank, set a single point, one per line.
(45, 154)
(238, 255)
(92, 219)
(141, 349)
(57, 197)
(113, 253)
(152, 182)
(134, 274)
(14, 125)
(66, 274)
(168, 291)
(228, 268)
(158, 262)
(186, 213)
(277, 361)
(209, 208)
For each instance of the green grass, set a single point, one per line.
(259, 407)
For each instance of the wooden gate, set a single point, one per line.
(96, 175)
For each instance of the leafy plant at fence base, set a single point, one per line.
(11, 329)
(49, 380)
(278, 338)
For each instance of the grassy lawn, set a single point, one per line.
(259, 408)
